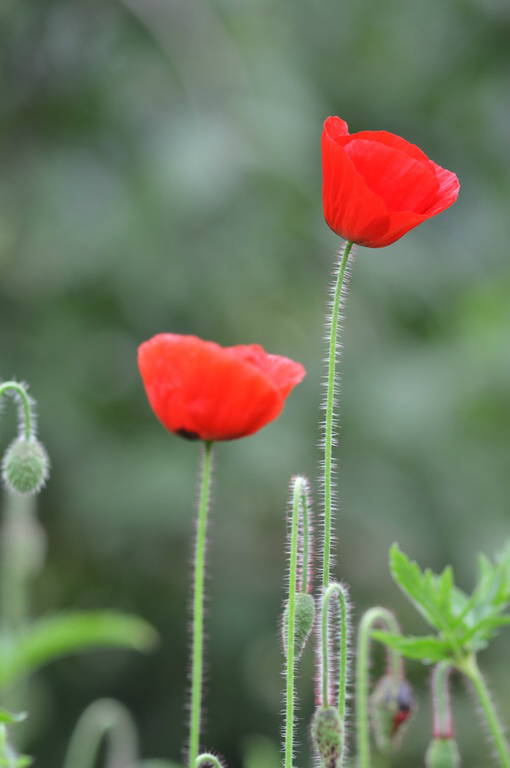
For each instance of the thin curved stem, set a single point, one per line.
(27, 407)
(198, 607)
(207, 759)
(105, 718)
(370, 619)
(298, 491)
(330, 403)
(472, 672)
(341, 592)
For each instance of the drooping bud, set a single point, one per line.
(442, 753)
(304, 618)
(391, 706)
(25, 466)
(328, 736)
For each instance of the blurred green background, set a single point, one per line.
(160, 171)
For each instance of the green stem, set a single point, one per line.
(27, 409)
(472, 672)
(298, 491)
(341, 592)
(198, 608)
(370, 619)
(443, 723)
(105, 718)
(305, 522)
(22, 546)
(207, 759)
(330, 404)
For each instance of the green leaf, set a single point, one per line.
(431, 594)
(66, 633)
(429, 648)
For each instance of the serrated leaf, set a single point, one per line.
(66, 633)
(430, 594)
(428, 648)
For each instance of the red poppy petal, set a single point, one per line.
(395, 142)
(405, 184)
(199, 388)
(351, 209)
(448, 190)
(283, 372)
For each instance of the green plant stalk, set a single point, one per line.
(330, 404)
(340, 591)
(103, 718)
(289, 670)
(306, 540)
(443, 726)
(21, 558)
(471, 670)
(27, 411)
(207, 759)
(198, 608)
(370, 618)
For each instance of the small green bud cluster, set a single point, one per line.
(391, 706)
(442, 753)
(304, 618)
(25, 465)
(328, 736)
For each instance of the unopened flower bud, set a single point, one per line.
(391, 706)
(328, 736)
(25, 466)
(442, 753)
(304, 617)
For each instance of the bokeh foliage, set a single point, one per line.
(161, 171)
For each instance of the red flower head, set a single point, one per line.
(200, 390)
(377, 186)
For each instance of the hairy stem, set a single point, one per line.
(198, 607)
(341, 592)
(472, 672)
(26, 404)
(370, 619)
(330, 404)
(305, 522)
(207, 759)
(443, 721)
(298, 492)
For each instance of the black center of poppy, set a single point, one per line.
(187, 434)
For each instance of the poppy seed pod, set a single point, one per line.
(304, 617)
(442, 753)
(25, 466)
(378, 186)
(328, 736)
(391, 706)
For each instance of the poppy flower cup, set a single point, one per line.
(378, 186)
(200, 390)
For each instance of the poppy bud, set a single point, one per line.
(25, 466)
(442, 753)
(391, 705)
(328, 736)
(304, 617)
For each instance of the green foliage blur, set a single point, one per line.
(160, 171)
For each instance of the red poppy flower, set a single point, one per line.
(377, 186)
(198, 389)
